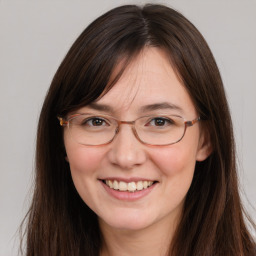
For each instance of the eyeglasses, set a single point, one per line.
(157, 130)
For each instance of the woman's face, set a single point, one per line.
(149, 86)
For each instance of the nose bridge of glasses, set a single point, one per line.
(126, 122)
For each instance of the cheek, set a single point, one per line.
(176, 167)
(175, 161)
(168, 160)
(83, 160)
(84, 163)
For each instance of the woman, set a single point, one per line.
(135, 156)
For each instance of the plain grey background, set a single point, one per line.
(35, 36)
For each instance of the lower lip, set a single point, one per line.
(128, 196)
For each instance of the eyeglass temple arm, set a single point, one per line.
(63, 122)
(191, 123)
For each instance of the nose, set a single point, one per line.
(125, 150)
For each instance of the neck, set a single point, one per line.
(150, 241)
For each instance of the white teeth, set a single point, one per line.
(131, 186)
(110, 183)
(122, 186)
(115, 185)
(139, 185)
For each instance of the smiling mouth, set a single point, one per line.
(128, 186)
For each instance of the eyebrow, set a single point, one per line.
(161, 106)
(146, 108)
(100, 107)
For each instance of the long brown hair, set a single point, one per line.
(58, 221)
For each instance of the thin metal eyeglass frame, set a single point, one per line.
(65, 123)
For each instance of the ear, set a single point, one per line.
(66, 158)
(204, 145)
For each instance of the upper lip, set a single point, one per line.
(127, 180)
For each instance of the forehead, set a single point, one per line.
(149, 79)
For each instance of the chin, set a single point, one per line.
(126, 221)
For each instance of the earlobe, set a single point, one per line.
(204, 146)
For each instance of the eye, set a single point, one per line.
(160, 121)
(94, 121)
